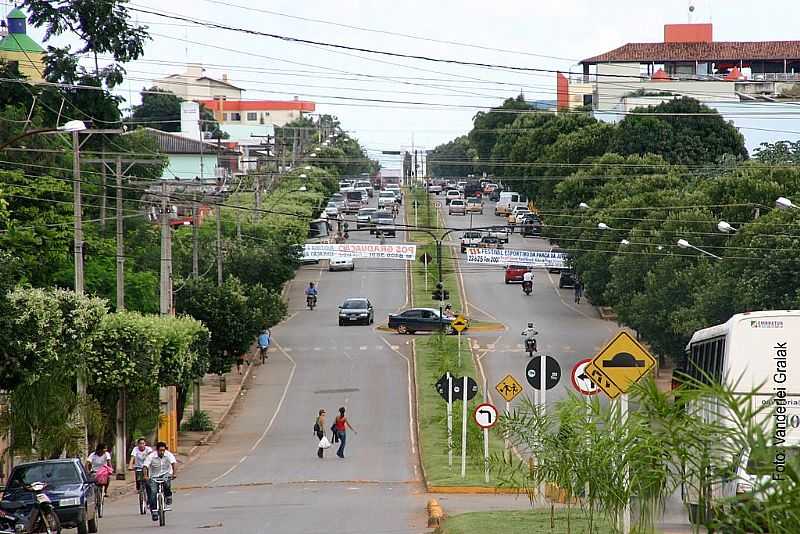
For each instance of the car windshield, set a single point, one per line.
(53, 474)
(387, 194)
(472, 235)
(383, 220)
(457, 203)
(518, 267)
(354, 304)
(354, 195)
(366, 211)
(474, 201)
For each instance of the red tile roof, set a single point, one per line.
(715, 51)
(260, 105)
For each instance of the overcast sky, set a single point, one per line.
(542, 34)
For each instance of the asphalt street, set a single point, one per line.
(263, 474)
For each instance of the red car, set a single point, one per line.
(514, 273)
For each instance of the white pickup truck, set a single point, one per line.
(470, 239)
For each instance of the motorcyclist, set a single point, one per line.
(527, 280)
(311, 294)
(530, 334)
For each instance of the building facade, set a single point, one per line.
(17, 48)
(258, 112)
(195, 85)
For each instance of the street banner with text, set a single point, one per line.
(320, 251)
(529, 258)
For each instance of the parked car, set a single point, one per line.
(474, 205)
(490, 242)
(500, 232)
(341, 263)
(345, 184)
(489, 188)
(386, 198)
(381, 213)
(385, 226)
(70, 488)
(451, 195)
(556, 269)
(355, 310)
(364, 217)
(566, 279)
(332, 210)
(514, 273)
(434, 188)
(457, 207)
(419, 320)
(470, 240)
(367, 185)
(364, 195)
(517, 214)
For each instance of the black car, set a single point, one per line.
(531, 226)
(419, 320)
(566, 279)
(353, 311)
(70, 488)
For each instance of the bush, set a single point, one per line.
(198, 422)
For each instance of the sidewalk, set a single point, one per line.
(217, 405)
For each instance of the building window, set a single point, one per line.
(236, 116)
(252, 116)
(266, 114)
(225, 117)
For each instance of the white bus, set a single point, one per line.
(759, 352)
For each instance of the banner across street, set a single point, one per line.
(320, 251)
(530, 258)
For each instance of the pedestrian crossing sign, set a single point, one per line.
(509, 388)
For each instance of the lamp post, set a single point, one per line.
(685, 244)
(70, 127)
(784, 203)
(583, 206)
(726, 228)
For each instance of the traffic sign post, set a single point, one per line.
(581, 380)
(508, 388)
(485, 415)
(459, 324)
(449, 420)
(464, 431)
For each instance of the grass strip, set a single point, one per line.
(436, 355)
(523, 522)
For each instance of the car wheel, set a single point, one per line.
(341, 323)
(507, 282)
(353, 268)
(92, 525)
(402, 329)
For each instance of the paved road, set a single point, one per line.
(263, 474)
(567, 331)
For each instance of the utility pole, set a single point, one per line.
(219, 243)
(257, 184)
(78, 229)
(103, 198)
(195, 273)
(120, 239)
(165, 303)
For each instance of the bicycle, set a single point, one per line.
(263, 351)
(161, 499)
(142, 491)
(99, 500)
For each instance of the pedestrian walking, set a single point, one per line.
(341, 424)
(319, 431)
(578, 291)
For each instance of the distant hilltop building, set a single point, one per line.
(19, 50)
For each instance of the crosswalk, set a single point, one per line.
(520, 347)
(334, 348)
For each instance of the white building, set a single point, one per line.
(195, 85)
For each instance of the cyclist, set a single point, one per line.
(263, 343)
(138, 455)
(159, 464)
(99, 464)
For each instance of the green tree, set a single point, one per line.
(483, 135)
(778, 153)
(452, 158)
(682, 130)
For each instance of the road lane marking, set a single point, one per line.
(362, 347)
(554, 286)
(410, 396)
(271, 421)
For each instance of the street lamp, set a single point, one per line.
(70, 126)
(302, 189)
(583, 206)
(685, 244)
(785, 204)
(603, 226)
(624, 242)
(307, 168)
(312, 155)
(303, 176)
(726, 228)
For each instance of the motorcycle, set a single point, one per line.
(42, 517)
(527, 287)
(530, 346)
(311, 301)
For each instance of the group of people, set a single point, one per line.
(148, 465)
(338, 432)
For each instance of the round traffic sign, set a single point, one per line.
(485, 415)
(552, 375)
(581, 380)
(437, 204)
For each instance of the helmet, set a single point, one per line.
(530, 325)
(311, 284)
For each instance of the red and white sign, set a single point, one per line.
(581, 380)
(485, 415)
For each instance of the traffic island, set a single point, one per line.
(552, 521)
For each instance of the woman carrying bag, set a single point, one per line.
(319, 431)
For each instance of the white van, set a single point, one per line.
(508, 201)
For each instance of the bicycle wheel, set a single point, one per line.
(48, 523)
(101, 495)
(142, 500)
(162, 513)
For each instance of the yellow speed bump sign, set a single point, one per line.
(509, 388)
(459, 323)
(620, 365)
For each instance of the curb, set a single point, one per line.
(474, 490)
(607, 313)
